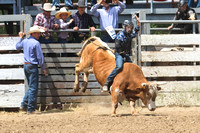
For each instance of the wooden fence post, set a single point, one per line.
(134, 43)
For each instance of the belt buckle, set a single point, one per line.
(47, 37)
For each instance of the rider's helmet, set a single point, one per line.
(127, 23)
(183, 3)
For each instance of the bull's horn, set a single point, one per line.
(161, 83)
(143, 84)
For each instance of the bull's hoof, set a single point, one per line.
(114, 115)
(134, 114)
(83, 89)
(84, 86)
(76, 89)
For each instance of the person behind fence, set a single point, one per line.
(122, 50)
(82, 20)
(46, 21)
(68, 4)
(108, 15)
(62, 15)
(184, 12)
(191, 3)
(33, 57)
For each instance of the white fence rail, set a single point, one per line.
(173, 58)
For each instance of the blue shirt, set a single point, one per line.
(122, 37)
(32, 51)
(110, 17)
(124, 43)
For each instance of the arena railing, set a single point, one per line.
(146, 30)
(93, 33)
(25, 20)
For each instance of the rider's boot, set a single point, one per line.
(106, 87)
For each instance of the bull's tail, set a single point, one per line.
(79, 53)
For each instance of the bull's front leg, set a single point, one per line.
(114, 103)
(132, 105)
(85, 82)
(76, 83)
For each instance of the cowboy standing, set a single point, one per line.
(62, 15)
(122, 50)
(108, 16)
(82, 20)
(33, 57)
(46, 21)
(184, 12)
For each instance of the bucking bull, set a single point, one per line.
(130, 84)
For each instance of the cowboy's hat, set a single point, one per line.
(34, 29)
(62, 11)
(81, 3)
(47, 7)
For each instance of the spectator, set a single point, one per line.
(185, 13)
(46, 21)
(191, 3)
(82, 20)
(107, 16)
(68, 4)
(62, 15)
(33, 57)
(122, 50)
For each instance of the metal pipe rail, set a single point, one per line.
(80, 30)
(170, 21)
(93, 33)
(143, 22)
(164, 29)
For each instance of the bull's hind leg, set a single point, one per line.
(85, 82)
(76, 83)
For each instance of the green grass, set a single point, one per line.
(160, 26)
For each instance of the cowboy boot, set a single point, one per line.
(106, 87)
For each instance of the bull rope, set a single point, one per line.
(99, 47)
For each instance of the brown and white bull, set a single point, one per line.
(130, 84)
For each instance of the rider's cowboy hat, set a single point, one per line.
(62, 11)
(47, 7)
(34, 29)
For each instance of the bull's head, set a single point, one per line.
(150, 94)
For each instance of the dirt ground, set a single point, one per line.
(92, 118)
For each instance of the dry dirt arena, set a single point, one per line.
(92, 118)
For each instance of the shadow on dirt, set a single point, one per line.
(125, 115)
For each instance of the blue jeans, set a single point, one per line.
(119, 66)
(60, 40)
(45, 41)
(67, 3)
(191, 3)
(30, 97)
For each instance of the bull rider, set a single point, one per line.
(122, 50)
